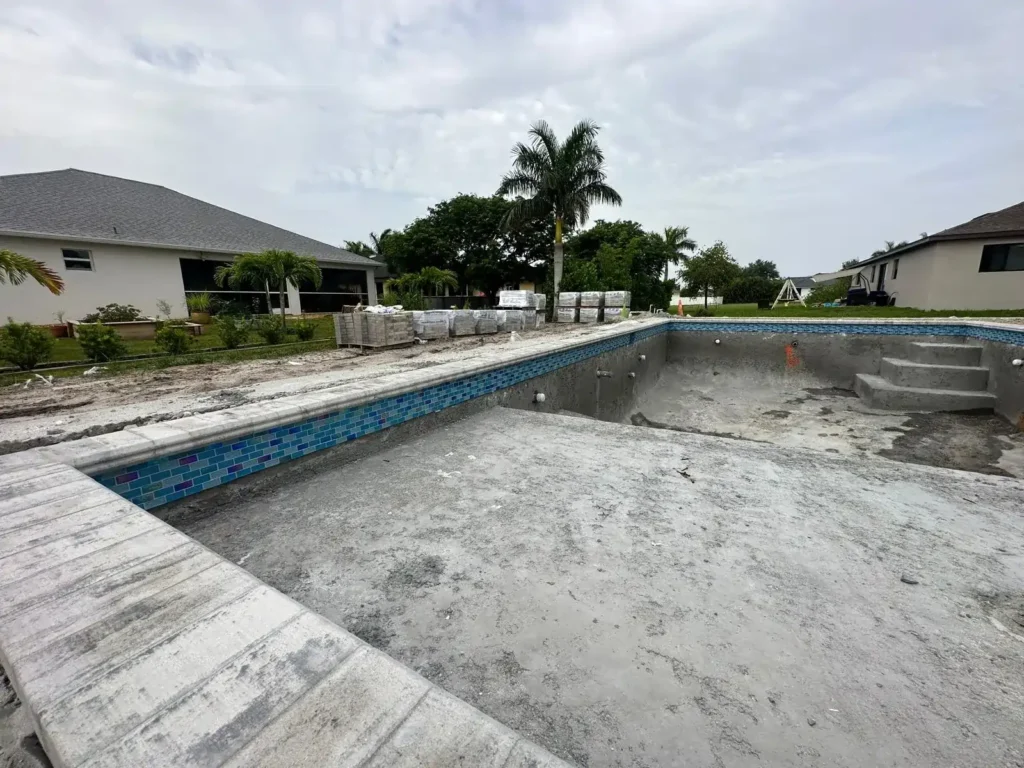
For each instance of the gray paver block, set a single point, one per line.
(26, 563)
(70, 613)
(99, 648)
(109, 711)
(67, 575)
(217, 718)
(343, 720)
(444, 731)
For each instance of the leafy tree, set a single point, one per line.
(712, 269)
(580, 275)
(15, 269)
(615, 265)
(747, 289)
(558, 180)
(679, 244)
(763, 269)
(271, 267)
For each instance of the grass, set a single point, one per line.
(751, 310)
(70, 351)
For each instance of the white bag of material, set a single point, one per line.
(591, 299)
(569, 299)
(540, 301)
(567, 315)
(517, 299)
(590, 314)
(616, 298)
(511, 320)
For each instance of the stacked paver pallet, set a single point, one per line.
(367, 329)
(614, 302)
(591, 306)
(432, 324)
(568, 307)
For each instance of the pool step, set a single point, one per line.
(944, 354)
(907, 373)
(876, 392)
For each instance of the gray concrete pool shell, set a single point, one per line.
(60, 554)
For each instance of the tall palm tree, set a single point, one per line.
(271, 267)
(890, 245)
(359, 248)
(15, 268)
(378, 241)
(438, 279)
(679, 243)
(559, 179)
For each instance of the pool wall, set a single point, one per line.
(834, 352)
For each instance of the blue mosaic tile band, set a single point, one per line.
(1005, 336)
(161, 481)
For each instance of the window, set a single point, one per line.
(76, 259)
(895, 268)
(873, 272)
(1007, 257)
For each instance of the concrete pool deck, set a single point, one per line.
(637, 597)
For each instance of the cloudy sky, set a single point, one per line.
(802, 131)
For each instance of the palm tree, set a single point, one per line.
(679, 243)
(417, 282)
(15, 268)
(378, 241)
(562, 179)
(890, 245)
(359, 248)
(272, 267)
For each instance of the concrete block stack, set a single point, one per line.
(486, 320)
(591, 306)
(461, 322)
(511, 320)
(368, 329)
(614, 301)
(567, 309)
(432, 324)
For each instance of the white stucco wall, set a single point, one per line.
(946, 276)
(122, 274)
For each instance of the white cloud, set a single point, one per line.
(778, 126)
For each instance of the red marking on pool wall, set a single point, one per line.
(792, 361)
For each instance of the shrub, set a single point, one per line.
(304, 329)
(389, 299)
(221, 306)
(25, 345)
(101, 343)
(270, 330)
(198, 302)
(702, 312)
(832, 292)
(113, 313)
(232, 329)
(174, 339)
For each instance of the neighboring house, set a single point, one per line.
(977, 265)
(804, 285)
(123, 241)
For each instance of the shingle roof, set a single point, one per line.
(73, 203)
(1009, 222)
(803, 282)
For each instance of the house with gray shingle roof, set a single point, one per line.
(124, 241)
(975, 265)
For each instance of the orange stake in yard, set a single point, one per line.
(791, 359)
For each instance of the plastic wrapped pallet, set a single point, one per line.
(590, 314)
(430, 325)
(614, 314)
(569, 299)
(616, 298)
(511, 320)
(530, 319)
(540, 321)
(517, 299)
(540, 301)
(567, 314)
(486, 320)
(591, 299)
(462, 322)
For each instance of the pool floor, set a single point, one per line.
(645, 597)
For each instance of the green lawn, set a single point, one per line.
(751, 310)
(69, 351)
